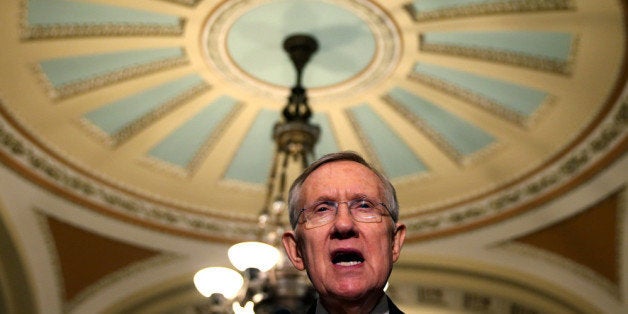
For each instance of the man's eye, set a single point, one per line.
(322, 208)
(364, 205)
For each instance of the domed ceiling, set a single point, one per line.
(159, 113)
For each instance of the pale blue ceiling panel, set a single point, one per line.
(63, 71)
(120, 118)
(446, 129)
(326, 141)
(549, 45)
(346, 43)
(544, 51)
(254, 157)
(392, 153)
(519, 99)
(60, 12)
(452, 8)
(185, 144)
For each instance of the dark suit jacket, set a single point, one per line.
(392, 308)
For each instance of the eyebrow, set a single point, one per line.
(355, 196)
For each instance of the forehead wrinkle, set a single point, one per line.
(354, 189)
(330, 197)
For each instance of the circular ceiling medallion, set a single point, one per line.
(359, 44)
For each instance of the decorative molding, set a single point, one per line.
(503, 56)
(112, 200)
(118, 276)
(479, 100)
(488, 8)
(610, 133)
(28, 32)
(189, 3)
(96, 82)
(200, 155)
(366, 142)
(562, 263)
(388, 50)
(455, 299)
(433, 293)
(85, 30)
(49, 244)
(423, 127)
(215, 136)
(103, 282)
(136, 126)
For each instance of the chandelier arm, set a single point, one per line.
(282, 285)
(282, 178)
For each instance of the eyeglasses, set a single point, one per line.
(324, 212)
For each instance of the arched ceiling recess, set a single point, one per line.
(160, 112)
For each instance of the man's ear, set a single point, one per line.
(398, 237)
(289, 240)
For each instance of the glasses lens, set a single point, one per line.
(320, 214)
(364, 210)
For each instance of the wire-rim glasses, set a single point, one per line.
(324, 212)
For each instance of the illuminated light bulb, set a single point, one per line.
(225, 281)
(258, 255)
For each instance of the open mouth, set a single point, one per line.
(347, 258)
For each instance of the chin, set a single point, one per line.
(352, 291)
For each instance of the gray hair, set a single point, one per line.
(294, 196)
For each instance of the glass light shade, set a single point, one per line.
(246, 309)
(225, 281)
(253, 255)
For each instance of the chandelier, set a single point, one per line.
(267, 281)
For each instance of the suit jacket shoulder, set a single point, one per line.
(392, 308)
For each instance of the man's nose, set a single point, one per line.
(344, 222)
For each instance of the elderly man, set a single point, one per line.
(345, 233)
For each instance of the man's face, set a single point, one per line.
(345, 259)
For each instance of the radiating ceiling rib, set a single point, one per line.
(453, 134)
(119, 120)
(546, 51)
(71, 75)
(252, 161)
(385, 147)
(189, 143)
(510, 101)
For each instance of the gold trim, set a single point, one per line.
(214, 137)
(366, 142)
(496, 7)
(86, 192)
(119, 275)
(610, 132)
(85, 85)
(502, 56)
(203, 152)
(474, 98)
(562, 263)
(136, 126)
(28, 32)
(189, 3)
(388, 50)
(420, 125)
(485, 103)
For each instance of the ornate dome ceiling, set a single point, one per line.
(174, 128)
(159, 113)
